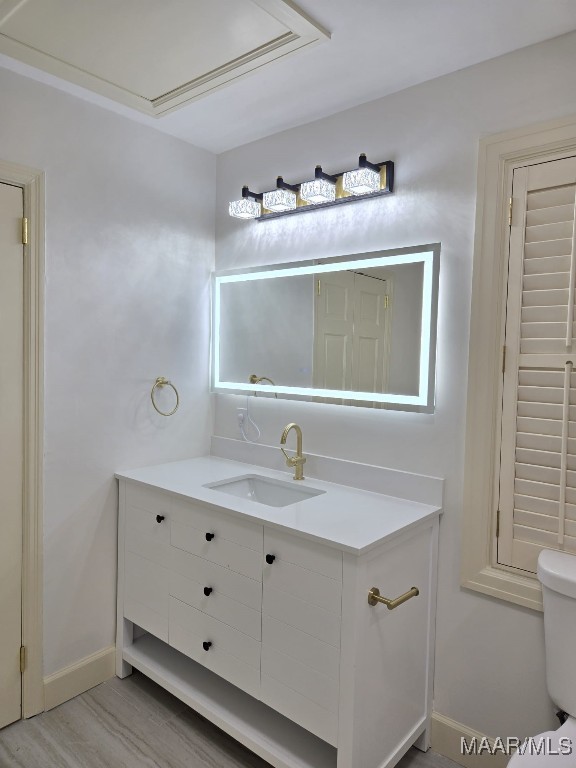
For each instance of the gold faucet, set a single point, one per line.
(297, 461)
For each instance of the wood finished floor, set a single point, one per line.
(134, 723)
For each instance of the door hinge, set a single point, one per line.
(318, 287)
(504, 358)
(386, 301)
(497, 523)
(510, 206)
(24, 231)
(22, 658)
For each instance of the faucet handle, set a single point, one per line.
(293, 461)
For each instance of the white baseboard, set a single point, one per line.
(79, 677)
(446, 740)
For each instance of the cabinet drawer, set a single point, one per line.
(307, 554)
(306, 585)
(146, 594)
(235, 586)
(232, 655)
(217, 604)
(301, 710)
(222, 636)
(243, 532)
(306, 649)
(218, 550)
(312, 619)
(320, 689)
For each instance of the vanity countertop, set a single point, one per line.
(350, 519)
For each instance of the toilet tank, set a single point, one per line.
(557, 573)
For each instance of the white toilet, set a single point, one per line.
(556, 749)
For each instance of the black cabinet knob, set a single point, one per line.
(159, 518)
(206, 645)
(210, 536)
(270, 559)
(207, 591)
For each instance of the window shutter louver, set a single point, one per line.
(537, 490)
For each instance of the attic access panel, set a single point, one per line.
(153, 55)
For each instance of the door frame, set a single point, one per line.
(31, 182)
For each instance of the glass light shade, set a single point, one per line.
(318, 191)
(245, 208)
(363, 181)
(279, 200)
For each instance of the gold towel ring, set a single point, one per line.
(254, 379)
(163, 382)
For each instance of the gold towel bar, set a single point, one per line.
(374, 597)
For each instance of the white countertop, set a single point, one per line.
(346, 518)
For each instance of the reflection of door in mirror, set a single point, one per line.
(351, 332)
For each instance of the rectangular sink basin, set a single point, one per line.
(264, 490)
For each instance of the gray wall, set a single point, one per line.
(129, 249)
(490, 654)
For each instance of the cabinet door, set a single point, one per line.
(302, 596)
(386, 655)
(147, 560)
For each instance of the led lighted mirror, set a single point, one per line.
(355, 330)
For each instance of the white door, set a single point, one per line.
(351, 333)
(370, 334)
(11, 449)
(334, 330)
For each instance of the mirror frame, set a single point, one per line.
(428, 255)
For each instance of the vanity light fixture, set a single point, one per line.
(366, 181)
(248, 207)
(283, 198)
(322, 189)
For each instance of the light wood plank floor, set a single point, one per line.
(134, 723)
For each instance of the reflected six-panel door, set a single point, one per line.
(11, 450)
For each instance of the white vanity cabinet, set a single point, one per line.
(269, 634)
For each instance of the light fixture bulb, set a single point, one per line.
(318, 191)
(279, 200)
(362, 181)
(245, 208)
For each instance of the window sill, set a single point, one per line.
(521, 590)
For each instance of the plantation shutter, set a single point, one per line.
(537, 490)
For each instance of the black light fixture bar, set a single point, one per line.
(281, 184)
(319, 174)
(334, 178)
(364, 163)
(254, 195)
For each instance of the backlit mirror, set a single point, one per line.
(356, 330)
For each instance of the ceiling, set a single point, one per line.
(228, 72)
